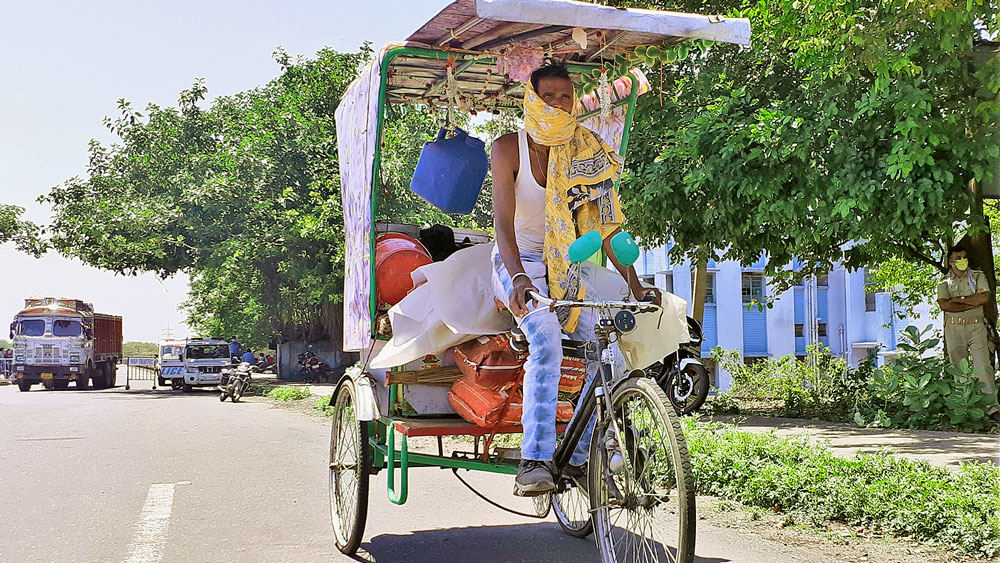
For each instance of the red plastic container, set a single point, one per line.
(396, 256)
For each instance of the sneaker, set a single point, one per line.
(533, 478)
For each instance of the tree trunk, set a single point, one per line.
(700, 287)
(979, 245)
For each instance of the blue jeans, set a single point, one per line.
(542, 370)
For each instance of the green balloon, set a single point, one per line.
(625, 248)
(585, 247)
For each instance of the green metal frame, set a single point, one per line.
(380, 122)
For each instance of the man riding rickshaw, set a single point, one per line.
(558, 361)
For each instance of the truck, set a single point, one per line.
(204, 360)
(58, 340)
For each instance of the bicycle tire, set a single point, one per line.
(348, 505)
(657, 442)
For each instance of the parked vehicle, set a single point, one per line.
(682, 376)
(170, 363)
(204, 359)
(59, 340)
(313, 369)
(235, 381)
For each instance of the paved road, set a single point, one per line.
(142, 475)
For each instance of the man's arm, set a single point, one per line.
(628, 272)
(959, 304)
(503, 159)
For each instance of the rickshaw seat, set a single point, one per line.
(417, 427)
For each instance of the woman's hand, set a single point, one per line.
(518, 296)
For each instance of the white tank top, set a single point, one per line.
(529, 203)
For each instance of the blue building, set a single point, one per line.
(841, 309)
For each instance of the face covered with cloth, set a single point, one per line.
(580, 194)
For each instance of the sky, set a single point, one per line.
(65, 65)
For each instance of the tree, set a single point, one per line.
(850, 132)
(24, 234)
(134, 349)
(243, 196)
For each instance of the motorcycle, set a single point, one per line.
(311, 368)
(236, 381)
(682, 376)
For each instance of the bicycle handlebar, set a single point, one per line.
(635, 306)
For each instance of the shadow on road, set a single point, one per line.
(516, 543)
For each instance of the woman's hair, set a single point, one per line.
(549, 69)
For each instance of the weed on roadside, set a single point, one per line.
(958, 510)
(288, 393)
(322, 404)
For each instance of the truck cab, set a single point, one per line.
(59, 340)
(204, 360)
(170, 363)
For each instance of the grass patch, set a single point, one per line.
(288, 393)
(959, 510)
(322, 404)
(259, 390)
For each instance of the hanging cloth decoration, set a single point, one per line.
(580, 182)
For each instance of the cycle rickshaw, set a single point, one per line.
(638, 496)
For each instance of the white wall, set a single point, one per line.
(728, 296)
(781, 325)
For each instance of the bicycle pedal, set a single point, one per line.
(529, 494)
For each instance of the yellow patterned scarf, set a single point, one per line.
(580, 194)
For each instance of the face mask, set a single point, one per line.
(962, 264)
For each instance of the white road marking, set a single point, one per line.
(151, 533)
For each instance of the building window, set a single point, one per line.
(799, 330)
(751, 360)
(668, 282)
(823, 280)
(753, 289)
(869, 291)
(821, 329)
(709, 287)
(649, 280)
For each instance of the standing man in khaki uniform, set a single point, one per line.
(961, 295)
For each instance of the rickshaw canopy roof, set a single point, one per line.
(474, 35)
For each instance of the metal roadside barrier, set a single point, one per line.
(6, 370)
(140, 369)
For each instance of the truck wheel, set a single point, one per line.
(110, 375)
(176, 384)
(83, 382)
(23, 385)
(188, 388)
(160, 381)
(97, 377)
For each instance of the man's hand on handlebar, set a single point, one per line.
(518, 296)
(648, 294)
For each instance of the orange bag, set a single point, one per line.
(564, 412)
(489, 361)
(480, 405)
(573, 375)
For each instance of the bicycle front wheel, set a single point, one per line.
(640, 480)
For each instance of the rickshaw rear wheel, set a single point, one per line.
(572, 510)
(350, 468)
(646, 509)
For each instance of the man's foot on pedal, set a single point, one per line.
(533, 478)
(578, 473)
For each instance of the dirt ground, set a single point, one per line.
(831, 542)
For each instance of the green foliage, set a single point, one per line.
(922, 390)
(25, 235)
(844, 122)
(818, 386)
(959, 510)
(322, 405)
(286, 393)
(140, 349)
(910, 283)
